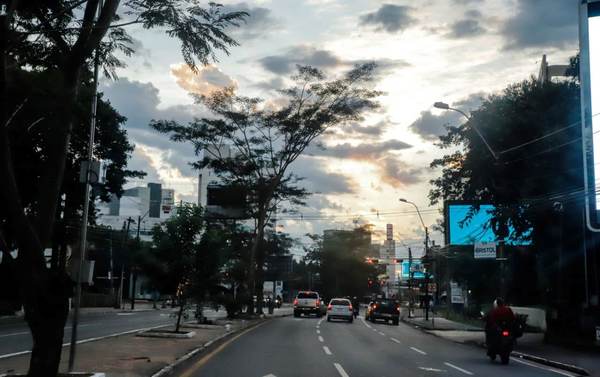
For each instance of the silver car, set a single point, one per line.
(340, 308)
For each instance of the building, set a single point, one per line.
(220, 200)
(149, 205)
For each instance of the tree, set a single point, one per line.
(61, 36)
(340, 259)
(534, 129)
(267, 140)
(181, 262)
(37, 94)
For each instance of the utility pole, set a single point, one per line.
(86, 205)
(427, 259)
(410, 278)
(133, 267)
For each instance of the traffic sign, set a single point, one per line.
(484, 250)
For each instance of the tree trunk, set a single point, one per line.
(181, 305)
(256, 243)
(46, 310)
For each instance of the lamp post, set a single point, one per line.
(427, 256)
(445, 106)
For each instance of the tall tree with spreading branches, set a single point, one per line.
(266, 140)
(62, 35)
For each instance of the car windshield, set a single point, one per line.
(277, 188)
(340, 302)
(310, 295)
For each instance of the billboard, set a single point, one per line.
(465, 231)
(416, 267)
(589, 43)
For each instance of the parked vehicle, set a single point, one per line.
(340, 308)
(383, 309)
(307, 302)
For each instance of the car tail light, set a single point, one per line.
(374, 306)
(350, 307)
(505, 333)
(295, 302)
(318, 303)
(329, 307)
(398, 308)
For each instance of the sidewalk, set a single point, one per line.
(530, 345)
(134, 356)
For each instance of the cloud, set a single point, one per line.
(430, 126)
(466, 28)
(542, 24)
(318, 180)
(365, 151)
(203, 82)
(305, 55)
(285, 63)
(154, 153)
(357, 130)
(259, 24)
(389, 17)
(398, 174)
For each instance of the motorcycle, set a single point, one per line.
(278, 303)
(500, 342)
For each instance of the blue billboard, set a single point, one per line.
(417, 274)
(463, 231)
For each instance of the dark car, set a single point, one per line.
(382, 309)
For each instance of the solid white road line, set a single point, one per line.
(541, 367)
(459, 369)
(5, 356)
(418, 350)
(340, 370)
(320, 339)
(14, 334)
(396, 340)
(326, 349)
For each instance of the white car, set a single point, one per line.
(340, 308)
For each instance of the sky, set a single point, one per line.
(456, 51)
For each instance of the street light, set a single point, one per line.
(445, 106)
(426, 248)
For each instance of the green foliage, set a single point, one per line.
(523, 179)
(339, 259)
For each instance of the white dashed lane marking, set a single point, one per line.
(418, 351)
(340, 370)
(321, 339)
(318, 331)
(459, 369)
(395, 340)
(327, 351)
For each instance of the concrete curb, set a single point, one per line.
(167, 370)
(536, 359)
(168, 335)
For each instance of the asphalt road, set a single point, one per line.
(289, 347)
(15, 336)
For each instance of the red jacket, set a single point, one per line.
(499, 315)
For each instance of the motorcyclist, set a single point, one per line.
(355, 306)
(278, 301)
(500, 316)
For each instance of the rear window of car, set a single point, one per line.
(340, 302)
(386, 304)
(308, 295)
